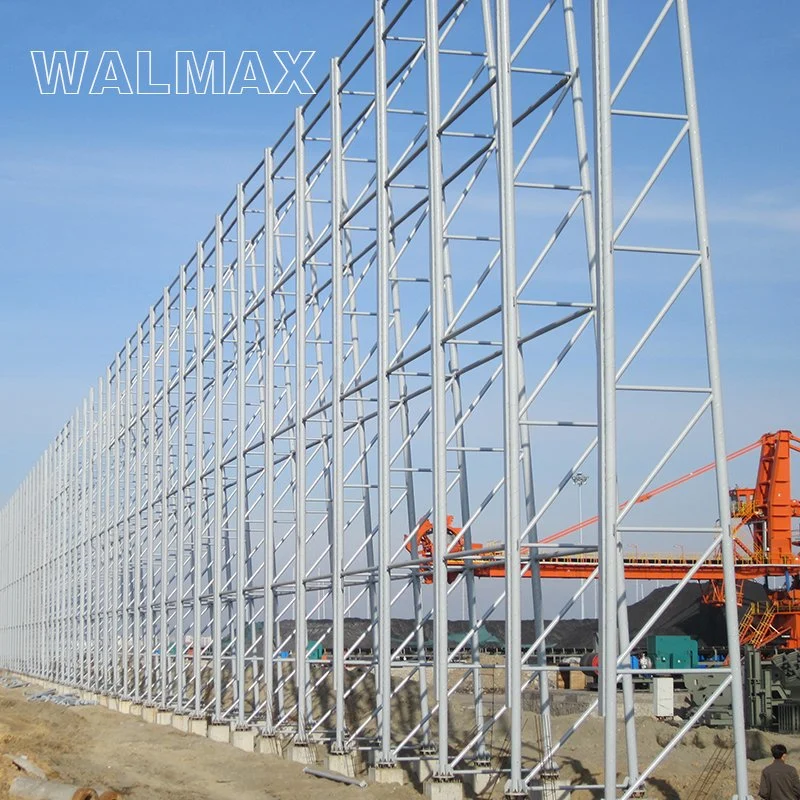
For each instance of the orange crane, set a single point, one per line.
(766, 510)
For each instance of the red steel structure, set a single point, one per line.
(766, 511)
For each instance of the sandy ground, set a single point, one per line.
(91, 745)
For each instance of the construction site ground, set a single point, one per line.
(92, 745)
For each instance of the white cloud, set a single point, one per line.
(770, 209)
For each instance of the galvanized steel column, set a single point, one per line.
(269, 445)
(219, 469)
(606, 327)
(383, 266)
(511, 397)
(337, 409)
(300, 633)
(240, 601)
(182, 499)
(198, 494)
(717, 422)
(438, 390)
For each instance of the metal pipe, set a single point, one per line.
(240, 601)
(511, 391)
(301, 530)
(198, 494)
(334, 776)
(218, 529)
(712, 347)
(337, 407)
(383, 264)
(607, 433)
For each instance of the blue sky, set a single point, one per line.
(101, 198)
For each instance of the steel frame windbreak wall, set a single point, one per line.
(410, 310)
(689, 395)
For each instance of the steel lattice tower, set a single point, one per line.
(409, 310)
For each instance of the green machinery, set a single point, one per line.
(771, 689)
(672, 652)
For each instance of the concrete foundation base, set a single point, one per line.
(219, 732)
(425, 767)
(149, 714)
(270, 746)
(124, 706)
(198, 726)
(244, 740)
(343, 763)
(437, 789)
(136, 709)
(103, 700)
(163, 717)
(113, 703)
(181, 722)
(302, 753)
(386, 773)
(482, 783)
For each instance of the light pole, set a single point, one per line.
(579, 479)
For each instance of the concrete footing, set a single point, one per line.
(124, 706)
(113, 704)
(244, 739)
(426, 766)
(343, 763)
(149, 714)
(181, 722)
(387, 773)
(103, 700)
(198, 726)
(136, 709)
(482, 783)
(302, 753)
(219, 732)
(163, 717)
(270, 746)
(444, 789)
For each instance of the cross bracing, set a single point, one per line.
(410, 310)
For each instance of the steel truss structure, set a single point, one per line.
(409, 310)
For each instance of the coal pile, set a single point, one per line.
(686, 615)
